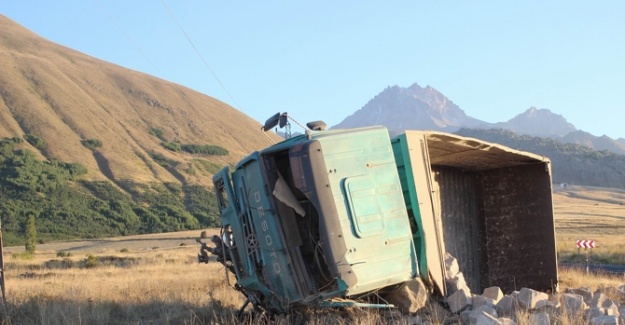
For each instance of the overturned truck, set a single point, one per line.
(331, 217)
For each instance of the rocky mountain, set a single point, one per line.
(419, 108)
(93, 149)
(538, 122)
(599, 143)
(414, 107)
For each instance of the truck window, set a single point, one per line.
(222, 194)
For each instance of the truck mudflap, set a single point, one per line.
(488, 205)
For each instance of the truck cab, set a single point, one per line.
(317, 216)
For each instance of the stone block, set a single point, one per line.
(464, 316)
(477, 312)
(459, 300)
(506, 321)
(493, 293)
(507, 306)
(484, 318)
(456, 283)
(451, 266)
(598, 299)
(593, 312)
(584, 292)
(571, 303)
(528, 298)
(604, 320)
(410, 298)
(480, 300)
(539, 318)
(610, 308)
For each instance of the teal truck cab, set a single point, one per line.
(329, 217)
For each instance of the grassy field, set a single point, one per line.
(155, 279)
(590, 213)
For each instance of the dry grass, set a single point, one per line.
(590, 213)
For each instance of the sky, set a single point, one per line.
(324, 60)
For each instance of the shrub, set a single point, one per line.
(30, 233)
(35, 141)
(203, 234)
(157, 132)
(63, 254)
(124, 250)
(92, 144)
(208, 150)
(91, 261)
(171, 146)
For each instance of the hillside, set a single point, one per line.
(106, 150)
(571, 163)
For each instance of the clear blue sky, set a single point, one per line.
(324, 60)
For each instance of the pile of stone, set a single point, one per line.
(602, 307)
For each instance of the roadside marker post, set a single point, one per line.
(586, 244)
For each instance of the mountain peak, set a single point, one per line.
(539, 122)
(413, 107)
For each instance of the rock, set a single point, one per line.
(464, 316)
(493, 293)
(506, 321)
(459, 300)
(610, 308)
(547, 306)
(476, 313)
(604, 320)
(456, 283)
(528, 298)
(411, 297)
(584, 292)
(593, 312)
(571, 303)
(597, 299)
(482, 301)
(451, 266)
(539, 318)
(507, 306)
(484, 318)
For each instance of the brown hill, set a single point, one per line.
(65, 97)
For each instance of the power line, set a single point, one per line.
(198, 53)
(120, 29)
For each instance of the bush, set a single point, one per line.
(92, 144)
(63, 254)
(124, 250)
(157, 132)
(203, 234)
(35, 141)
(171, 146)
(91, 261)
(208, 150)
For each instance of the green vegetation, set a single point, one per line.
(157, 132)
(207, 150)
(92, 144)
(35, 141)
(162, 160)
(571, 163)
(207, 166)
(171, 146)
(30, 234)
(66, 207)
